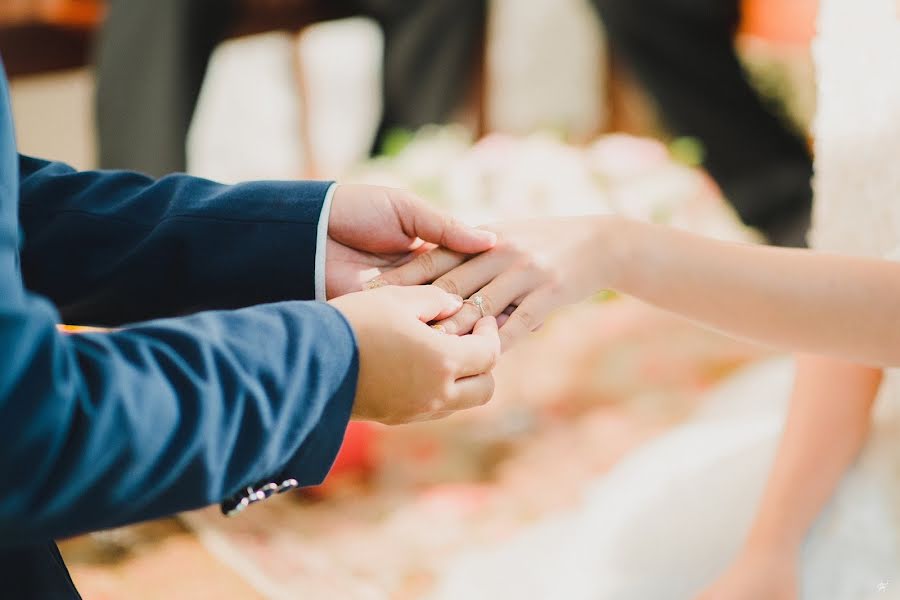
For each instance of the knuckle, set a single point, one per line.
(448, 285)
(445, 370)
(448, 225)
(400, 198)
(528, 262)
(535, 265)
(426, 263)
(525, 319)
(510, 246)
(553, 281)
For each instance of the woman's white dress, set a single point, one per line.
(669, 518)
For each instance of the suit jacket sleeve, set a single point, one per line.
(116, 247)
(104, 429)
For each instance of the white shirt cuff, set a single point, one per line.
(321, 243)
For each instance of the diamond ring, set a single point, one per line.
(478, 301)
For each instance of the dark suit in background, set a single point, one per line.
(103, 429)
(152, 57)
(682, 52)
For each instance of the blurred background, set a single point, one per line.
(675, 111)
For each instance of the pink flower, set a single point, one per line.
(621, 156)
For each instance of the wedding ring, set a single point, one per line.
(373, 285)
(478, 301)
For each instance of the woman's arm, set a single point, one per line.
(826, 428)
(839, 306)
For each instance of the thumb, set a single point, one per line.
(430, 302)
(427, 223)
(487, 328)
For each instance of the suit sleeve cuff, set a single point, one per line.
(310, 463)
(322, 244)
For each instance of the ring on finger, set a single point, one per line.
(478, 301)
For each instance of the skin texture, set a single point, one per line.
(408, 370)
(839, 306)
(372, 229)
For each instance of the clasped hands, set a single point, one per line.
(392, 242)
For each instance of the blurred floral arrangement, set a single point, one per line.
(507, 177)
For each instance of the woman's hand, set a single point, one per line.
(755, 575)
(535, 267)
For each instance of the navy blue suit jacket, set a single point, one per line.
(161, 416)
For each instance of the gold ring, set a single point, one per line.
(373, 285)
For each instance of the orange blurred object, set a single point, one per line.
(357, 454)
(785, 21)
(72, 13)
(57, 13)
(82, 329)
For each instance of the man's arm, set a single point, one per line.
(114, 247)
(110, 428)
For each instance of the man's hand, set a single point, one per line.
(374, 229)
(408, 370)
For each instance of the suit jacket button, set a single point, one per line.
(232, 508)
(266, 491)
(287, 485)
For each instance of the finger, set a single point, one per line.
(471, 276)
(424, 268)
(477, 353)
(423, 221)
(430, 303)
(495, 297)
(504, 316)
(432, 416)
(527, 317)
(473, 354)
(470, 392)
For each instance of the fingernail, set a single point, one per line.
(374, 284)
(488, 236)
(457, 298)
